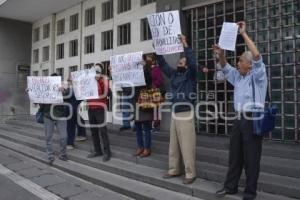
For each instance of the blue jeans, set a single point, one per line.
(61, 126)
(143, 127)
(126, 114)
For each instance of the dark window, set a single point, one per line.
(107, 10)
(61, 27)
(107, 40)
(89, 44)
(90, 16)
(124, 34)
(124, 5)
(60, 51)
(74, 22)
(73, 48)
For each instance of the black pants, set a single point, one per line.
(97, 117)
(245, 151)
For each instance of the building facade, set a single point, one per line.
(94, 30)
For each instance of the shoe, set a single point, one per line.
(146, 153)
(155, 130)
(223, 192)
(70, 147)
(106, 158)
(50, 161)
(80, 138)
(124, 128)
(168, 176)
(187, 181)
(63, 157)
(248, 196)
(94, 154)
(138, 152)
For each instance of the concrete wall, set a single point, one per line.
(15, 49)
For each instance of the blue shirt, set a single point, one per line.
(243, 97)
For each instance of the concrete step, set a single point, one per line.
(142, 179)
(268, 182)
(270, 148)
(120, 184)
(273, 165)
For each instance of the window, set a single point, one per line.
(60, 51)
(45, 72)
(107, 10)
(73, 68)
(124, 5)
(88, 66)
(145, 30)
(90, 16)
(61, 27)
(73, 22)
(60, 72)
(89, 44)
(46, 31)
(124, 34)
(35, 56)
(107, 40)
(46, 53)
(35, 73)
(36, 34)
(73, 48)
(145, 2)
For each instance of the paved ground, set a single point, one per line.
(22, 178)
(10, 190)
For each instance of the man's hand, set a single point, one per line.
(220, 54)
(218, 51)
(183, 40)
(97, 77)
(205, 70)
(242, 27)
(61, 89)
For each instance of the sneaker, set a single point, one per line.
(63, 157)
(70, 147)
(80, 138)
(155, 130)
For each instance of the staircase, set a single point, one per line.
(279, 178)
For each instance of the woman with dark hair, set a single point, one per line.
(143, 118)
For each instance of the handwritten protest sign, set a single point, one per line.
(228, 36)
(165, 28)
(44, 89)
(127, 70)
(84, 84)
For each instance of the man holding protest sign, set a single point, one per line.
(245, 147)
(55, 115)
(97, 116)
(182, 130)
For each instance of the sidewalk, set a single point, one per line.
(35, 180)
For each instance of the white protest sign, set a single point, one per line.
(165, 28)
(228, 36)
(127, 70)
(84, 84)
(44, 89)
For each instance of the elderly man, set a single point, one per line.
(245, 147)
(182, 130)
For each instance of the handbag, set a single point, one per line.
(39, 116)
(264, 121)
(150, 98)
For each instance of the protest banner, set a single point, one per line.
(44, 89)
(228, 36)
(84, 84)
(165, 28)
(127, 70)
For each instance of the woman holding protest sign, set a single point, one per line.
(97, 116)
(144, 114)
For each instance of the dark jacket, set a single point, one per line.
(58, 110)
(181, 83)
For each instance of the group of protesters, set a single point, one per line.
(245, 147)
